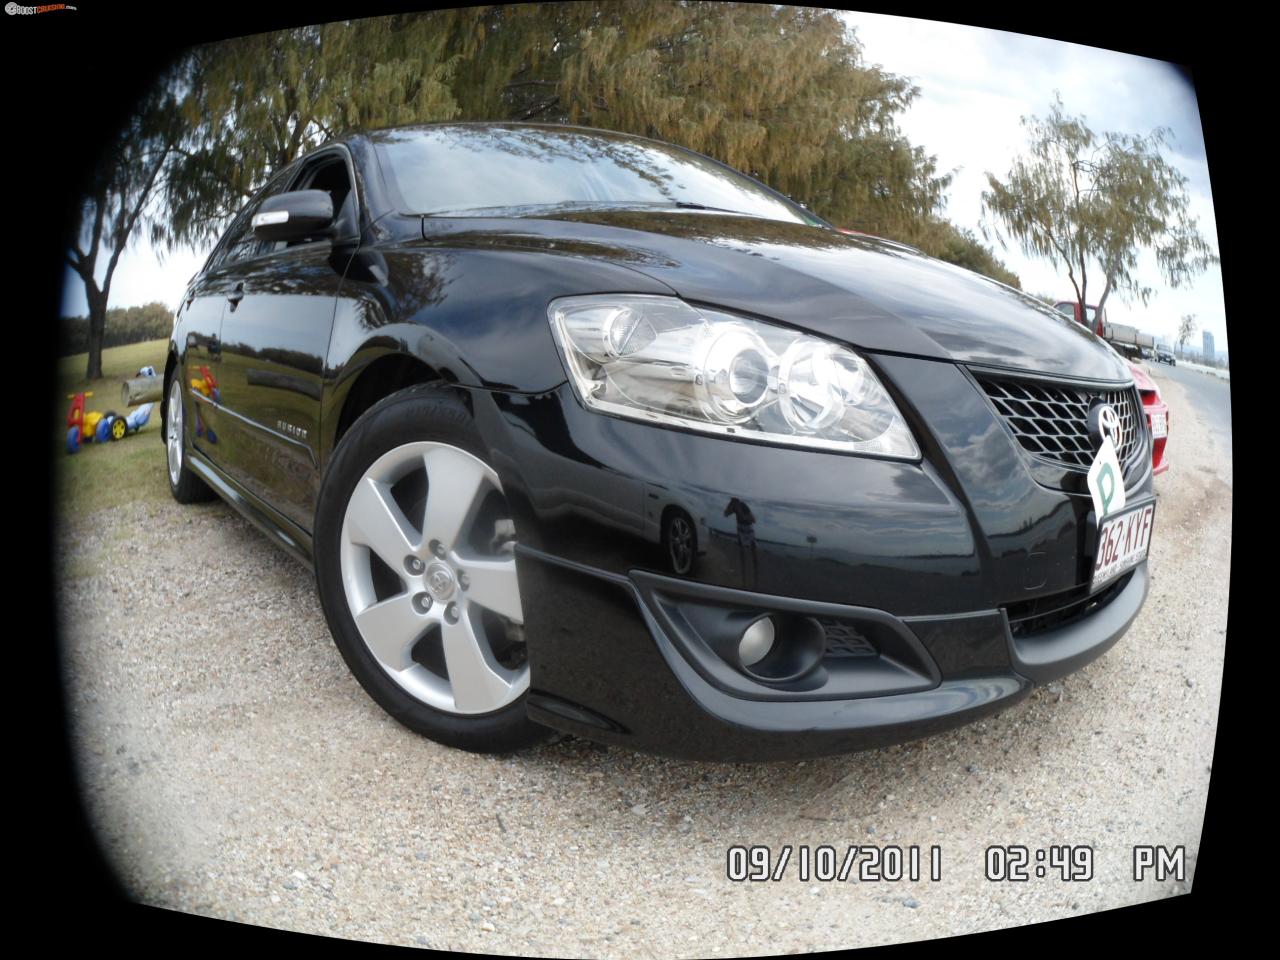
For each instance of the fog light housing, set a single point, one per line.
(818, 651)
(781, 647)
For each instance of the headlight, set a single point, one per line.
(661, 360)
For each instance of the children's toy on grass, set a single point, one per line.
(76, 421)
(85, 426)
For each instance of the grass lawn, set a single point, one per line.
(104, 475)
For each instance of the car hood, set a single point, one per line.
(873, 294)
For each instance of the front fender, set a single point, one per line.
(476, 316)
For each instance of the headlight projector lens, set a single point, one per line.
(737, 374)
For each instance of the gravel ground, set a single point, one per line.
(233, 768)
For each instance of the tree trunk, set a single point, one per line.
(97, 326)
(1106, 291)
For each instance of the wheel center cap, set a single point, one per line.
(440, 581)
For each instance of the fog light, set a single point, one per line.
(781, 647)
(756, 642)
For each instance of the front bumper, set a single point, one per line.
(611, 670)
(925, 559)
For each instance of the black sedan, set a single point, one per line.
(589, 432)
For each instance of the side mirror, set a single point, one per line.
(294, 215)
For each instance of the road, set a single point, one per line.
(233, 768)
(1209, 395)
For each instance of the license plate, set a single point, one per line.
(1122, 543)
(1159, 425)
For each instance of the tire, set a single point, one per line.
(680, 540)
(185, 486)
(435, 636)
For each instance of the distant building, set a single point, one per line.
(1209, 354)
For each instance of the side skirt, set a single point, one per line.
(284, 533)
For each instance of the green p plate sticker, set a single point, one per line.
(1106, 482)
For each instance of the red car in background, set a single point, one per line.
(1157, 416)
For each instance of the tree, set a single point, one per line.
(1081, 200)
(124, 325)
(781, 92)
(1186, 329)
(117, 202)
(257, 103)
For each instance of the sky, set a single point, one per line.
(975, 86)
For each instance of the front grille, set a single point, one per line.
(1051, 420)
(1030, 617)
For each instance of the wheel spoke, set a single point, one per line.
(390, 628)
(454, 484)
(476, 681)
(492, 585)
(375, 520)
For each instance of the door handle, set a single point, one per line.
(236, 295)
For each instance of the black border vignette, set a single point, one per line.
(71, 76)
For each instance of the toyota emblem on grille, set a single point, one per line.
(1105, 422)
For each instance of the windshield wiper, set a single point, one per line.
(527, 208)
(690, 205)
(569, 205)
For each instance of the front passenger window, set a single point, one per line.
(241, 244)
(329, 175)
(244, 245)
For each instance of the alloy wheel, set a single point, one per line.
(428, 568)
(173, 432)
(680, 542)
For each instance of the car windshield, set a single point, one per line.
(472, 170)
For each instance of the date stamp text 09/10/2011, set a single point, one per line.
(873, 864)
